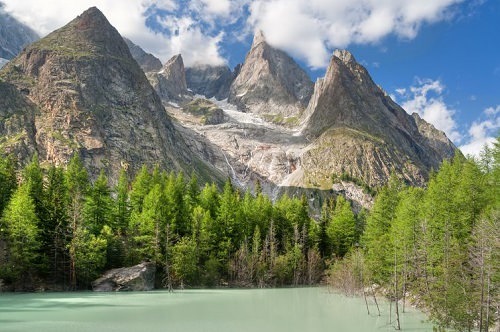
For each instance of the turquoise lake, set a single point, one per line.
(235, 310)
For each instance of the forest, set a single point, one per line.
(437, 247)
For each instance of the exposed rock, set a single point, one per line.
(147, 61)
(140, 277)
(270, 82)
(206, 111)
(209, 81)
(355, 128)
(354, 193)
(91, 97)
(170, 81)
(14, 35)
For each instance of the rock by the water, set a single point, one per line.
(140, 277)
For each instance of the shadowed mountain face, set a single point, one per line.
(147, 61)
(210, 81)
(14, 35)
(270, 82)
(83, 92)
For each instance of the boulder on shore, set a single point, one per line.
(140, 277)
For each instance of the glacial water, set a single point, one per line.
(256, 310)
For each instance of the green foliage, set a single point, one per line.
(19, 228)
(89, 251)
(341, 231)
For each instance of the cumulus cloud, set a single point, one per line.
(426, 99)
(324, 24)
(482, 132)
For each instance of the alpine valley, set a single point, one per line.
(118, 172)
(85, 89)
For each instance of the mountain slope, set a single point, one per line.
(147, 61)
(360, 131)
(14, 35)
(93, 98)
(210, 81)
(270, 82)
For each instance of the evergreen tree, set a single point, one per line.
(19, 227)
(76, 180)
(98, 205)
(342, 229)
(54, 237)
(8, 180)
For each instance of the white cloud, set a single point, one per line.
(482, 132)
(189, 41)
(329, 24)
(425, 98)
(127, 16)
(307, 29)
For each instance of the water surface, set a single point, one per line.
(262, 310)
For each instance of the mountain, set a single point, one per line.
(210, 81)
(351, 136)
(270, 83)
(14, 36)
(80, 90)
(358, 130)
(147, 61)
(170, 81)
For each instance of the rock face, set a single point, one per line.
(14, 35)
(170, 81)
(140, 277)
(85, 93)
(357, 129)
(147, 61)
(270, 83)
(210, 81)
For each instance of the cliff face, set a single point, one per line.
(84, 93)
(270, 83)
(210, 81)
(147, 61)
(360, 131)
(170, 81)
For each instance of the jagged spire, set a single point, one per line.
(258, 38)
(346, 56)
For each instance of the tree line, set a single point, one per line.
(60, 230)
(440, 244)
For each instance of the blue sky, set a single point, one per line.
(439, 58)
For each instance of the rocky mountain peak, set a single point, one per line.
(372, 136)
(92, 98)
(346, 57)
(270, 83)
(88, 35)
(170, 81)
(258, 38)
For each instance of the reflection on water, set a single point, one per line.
(273, 310)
